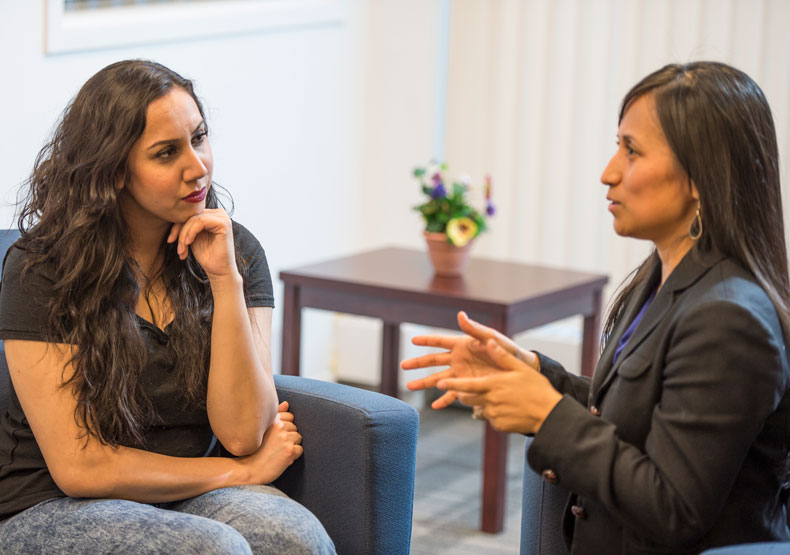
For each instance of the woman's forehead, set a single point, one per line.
(640, 120)
(172, 113)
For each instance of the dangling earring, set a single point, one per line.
(695, 230)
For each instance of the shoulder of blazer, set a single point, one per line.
(727, 283)
(699, 277)
(693, 267)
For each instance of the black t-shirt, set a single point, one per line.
(181, 430)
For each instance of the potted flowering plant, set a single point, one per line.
(450, 221)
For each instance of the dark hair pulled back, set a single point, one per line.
(720, 128)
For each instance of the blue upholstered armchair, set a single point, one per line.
(543, 505)
(357, 471)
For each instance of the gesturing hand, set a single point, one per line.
(280, 448)
(210, 236)
(466, 356)
(518, 400)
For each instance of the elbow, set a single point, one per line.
(72, 489)
(686, 539)
(244, 436)
(692, 532)
(679, 533)
(75, 481)
(85, 474)
(240, 447)
(242, 441)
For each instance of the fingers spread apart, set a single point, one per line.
(429, 381)
(426, 361)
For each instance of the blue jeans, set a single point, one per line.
(247, 519)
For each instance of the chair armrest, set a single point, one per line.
(357, 471)
(770, 548)
(543, 505)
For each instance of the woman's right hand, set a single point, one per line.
(280, 448)
(466, 356)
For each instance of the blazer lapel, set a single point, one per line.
(687, 272)
(604, 367)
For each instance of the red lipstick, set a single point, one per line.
(197, 196)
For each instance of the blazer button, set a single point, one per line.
(550, 476)
(595, 411)
(579, 512)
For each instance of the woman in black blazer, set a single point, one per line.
(680, 440)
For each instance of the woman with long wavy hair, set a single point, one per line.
(680, 440)
(136, 317)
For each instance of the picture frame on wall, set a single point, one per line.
(79, 25)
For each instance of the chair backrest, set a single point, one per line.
(542, 509)
(7, 238)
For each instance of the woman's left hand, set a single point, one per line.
(518, 400)
(210, 236)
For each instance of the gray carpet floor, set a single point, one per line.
(448, 485)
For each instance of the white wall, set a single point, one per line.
(316, 128)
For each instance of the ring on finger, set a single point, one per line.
(477, 413)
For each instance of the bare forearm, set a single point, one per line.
(136, 475)
(242, 400)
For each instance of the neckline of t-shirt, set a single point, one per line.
(151, 325)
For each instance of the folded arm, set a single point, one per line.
(241, 400)
(82, 466)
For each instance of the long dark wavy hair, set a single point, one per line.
(719, 126)
(70, 219)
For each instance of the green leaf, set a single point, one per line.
(428, 209)
(459, 190)
(480, 221)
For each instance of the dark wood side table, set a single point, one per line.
(398, 285)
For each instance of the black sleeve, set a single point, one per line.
(724, 374)
(258, 289)
(566, 383)
(24, 298)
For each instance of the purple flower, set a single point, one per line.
(490, 209)
(439, 191)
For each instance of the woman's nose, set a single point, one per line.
(195, 167)
(611, 173)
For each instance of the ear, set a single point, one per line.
(694, 190)
(120, 183)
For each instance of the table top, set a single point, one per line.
(398, 272)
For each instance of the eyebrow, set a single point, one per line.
(173, 141)
(627, 139)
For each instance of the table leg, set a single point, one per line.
(390, 358)
(591, 336)
(494, 478)
(292, 330)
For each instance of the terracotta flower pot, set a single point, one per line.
(447, 259)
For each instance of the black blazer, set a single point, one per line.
(682, 444)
